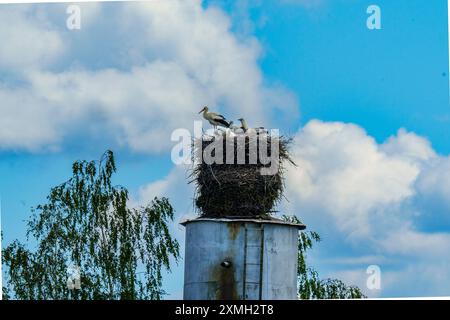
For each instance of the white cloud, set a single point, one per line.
(360, 196)
(27, 40)
(408, 146)
(178, 56)
(373, 200)
(27, 122)
(434, 183)
(174, 186)
(346, 176)
(407, 242)
(138, 108)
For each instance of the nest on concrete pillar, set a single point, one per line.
(240, 175)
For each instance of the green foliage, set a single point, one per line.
(310, 286)
(120, 252)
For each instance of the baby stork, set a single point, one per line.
(214, 118)
(245, 128)
(244, 125)
(234, 127)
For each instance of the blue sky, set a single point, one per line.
(369, 110)
(342, 71)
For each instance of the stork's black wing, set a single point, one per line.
(223, 122)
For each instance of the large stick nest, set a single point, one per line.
(239, 189)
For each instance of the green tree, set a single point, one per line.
(310, 286)
(120, 252)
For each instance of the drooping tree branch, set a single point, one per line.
(120, 252)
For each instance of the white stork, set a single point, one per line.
(244, 125)
(261, 130)
(214, 118)
(245, 128)
(234, 127)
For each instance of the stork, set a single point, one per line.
(214, 118)
(245, 128)
(233, 127)
(244, 125)
(261, 130)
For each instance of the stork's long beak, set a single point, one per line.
(202, 110)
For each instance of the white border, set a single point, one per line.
(1, 274)
(62, 1)
(79, 1)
